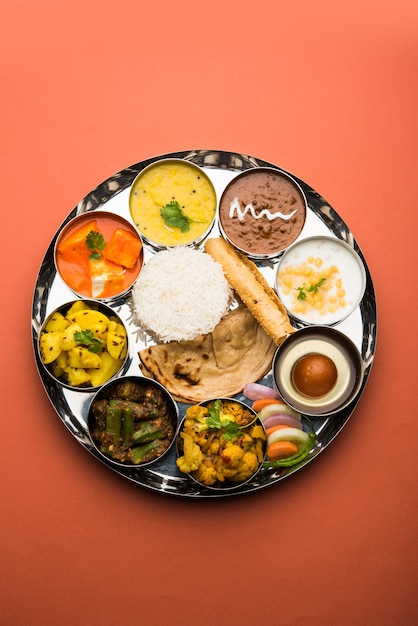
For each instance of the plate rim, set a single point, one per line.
(152, 479)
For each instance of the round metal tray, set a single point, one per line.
(50, 292)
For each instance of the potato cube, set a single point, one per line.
(89, 317)
(80, 356)
(50, 346)
(77, 376)
(79, 305)
(116, 341)
(56, 322)
(68, 341)
(108, 368)
(99, 331)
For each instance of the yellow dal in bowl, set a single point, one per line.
(163, 182)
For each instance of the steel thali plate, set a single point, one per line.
(50, 292)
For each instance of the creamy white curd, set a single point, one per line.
(320, 280)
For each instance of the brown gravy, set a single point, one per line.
(262, 212)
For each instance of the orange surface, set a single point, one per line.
(327, 91)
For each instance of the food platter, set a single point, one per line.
(50, 292)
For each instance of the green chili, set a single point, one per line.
(296, 458)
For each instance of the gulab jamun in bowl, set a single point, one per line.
(317, 371)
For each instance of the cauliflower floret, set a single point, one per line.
(206, 474)
(239, 466)
(186, 467)
(232, 455)
(247, 468)
(214, 447)
(229, 461)
(196, 418)
(196, 411)
(257, 432)
(192, 456)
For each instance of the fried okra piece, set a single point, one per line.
(114, 420)
(147, 432)
(138, 453)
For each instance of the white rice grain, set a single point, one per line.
(181, 293)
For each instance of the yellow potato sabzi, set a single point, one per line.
(83, 347)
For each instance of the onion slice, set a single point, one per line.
(294, 435)
(271, 409)
(282, 419)
(256, 391)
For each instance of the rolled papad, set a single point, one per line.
(249, 283)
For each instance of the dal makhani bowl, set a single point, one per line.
(83, 344)
(132, 421)
(173, 203)
(221, 444)
(99, 255)
(262, 211)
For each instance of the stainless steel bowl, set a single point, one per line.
(81, 279)
(262, 219)
(180, 182)
(332, 344)
(313, 260)
(103, 345)
(132, 421)
(227, 484)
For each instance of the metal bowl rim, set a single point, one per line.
(142, 379)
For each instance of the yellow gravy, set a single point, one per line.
(162, 183)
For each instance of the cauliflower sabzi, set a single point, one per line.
(221, 443)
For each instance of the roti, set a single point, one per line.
(214, 365)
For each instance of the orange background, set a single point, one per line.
(326, 91)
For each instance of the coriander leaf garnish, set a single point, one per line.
(214, 418)
(88, 339)
(95, 242)
(173, 215)
(230, 428)
(304, 290)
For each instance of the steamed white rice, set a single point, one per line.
(181, 293)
